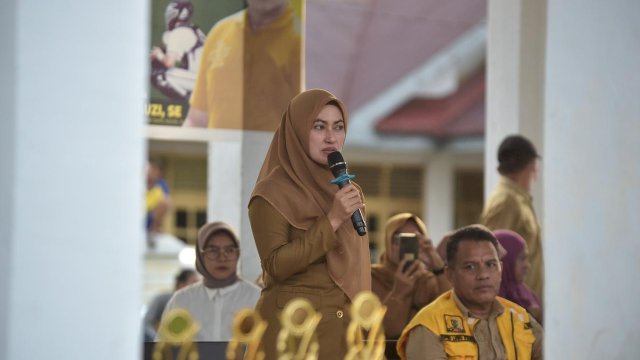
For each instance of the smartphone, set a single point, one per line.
(408, 248)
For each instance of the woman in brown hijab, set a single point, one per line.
(306, 242)
(404, 293)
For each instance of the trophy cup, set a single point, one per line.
(297, 340)
(176, 330)
(366, 313)
(247, 329)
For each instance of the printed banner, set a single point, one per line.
(229, 64)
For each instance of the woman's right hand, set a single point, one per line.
(404, 282)
(345, 202)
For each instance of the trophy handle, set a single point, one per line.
(247, 329)
(296, 339)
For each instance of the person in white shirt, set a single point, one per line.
(214, 301)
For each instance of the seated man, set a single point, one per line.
(214, 301)
(153, 315)
(471, 321)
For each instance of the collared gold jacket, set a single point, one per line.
(444, 318)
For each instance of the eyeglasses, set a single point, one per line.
(213, 252)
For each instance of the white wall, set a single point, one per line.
(72, 159)
(7, 161)
(592, 180)
(254, 148)
(515, 80)
(439, 190)
(234, 163)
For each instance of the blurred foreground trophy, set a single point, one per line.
(366, 314)
(247, 330)
(176, 331)
(297, 339)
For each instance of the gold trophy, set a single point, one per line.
(297, 340)
(177, 330)
(247, 329)
(366, 313)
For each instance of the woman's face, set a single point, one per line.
(522, 265)
(327, 134)
(220, 256)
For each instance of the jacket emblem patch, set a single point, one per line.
(454, 323)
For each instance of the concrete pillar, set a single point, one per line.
(515, 80)
(440, 192)
(8, 152)
(234, 164)
(225, 181)
(71, 185)
(592, 179)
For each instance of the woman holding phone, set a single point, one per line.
(406, 292)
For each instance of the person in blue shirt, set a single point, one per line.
(158, 200)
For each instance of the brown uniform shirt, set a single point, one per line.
(294, 265)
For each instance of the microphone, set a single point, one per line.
(339, 169)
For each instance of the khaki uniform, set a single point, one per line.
(294, 265)
(510, 207)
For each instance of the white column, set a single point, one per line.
(440, 193)
(7, 164)
(592, 180)
(234, 165)
(72, 186)
(225, 181)
(254, 148)
(515, 80)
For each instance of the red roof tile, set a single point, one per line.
(359, 48)
(459, 114)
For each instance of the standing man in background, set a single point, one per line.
(511, 207)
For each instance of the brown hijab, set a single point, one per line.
(204, 234)
(299, 189)
(385, 270)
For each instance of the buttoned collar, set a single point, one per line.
(496, 310)
(221, 292)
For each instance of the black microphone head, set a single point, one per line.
(336, 163)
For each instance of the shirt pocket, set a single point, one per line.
(461, 350)
(524, 337)
(284, 297)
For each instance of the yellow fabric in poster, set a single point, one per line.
(247, 77)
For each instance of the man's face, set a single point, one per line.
(153, 174)
(193, 278)
(533, 169)
(266, 5)
(476, 273)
